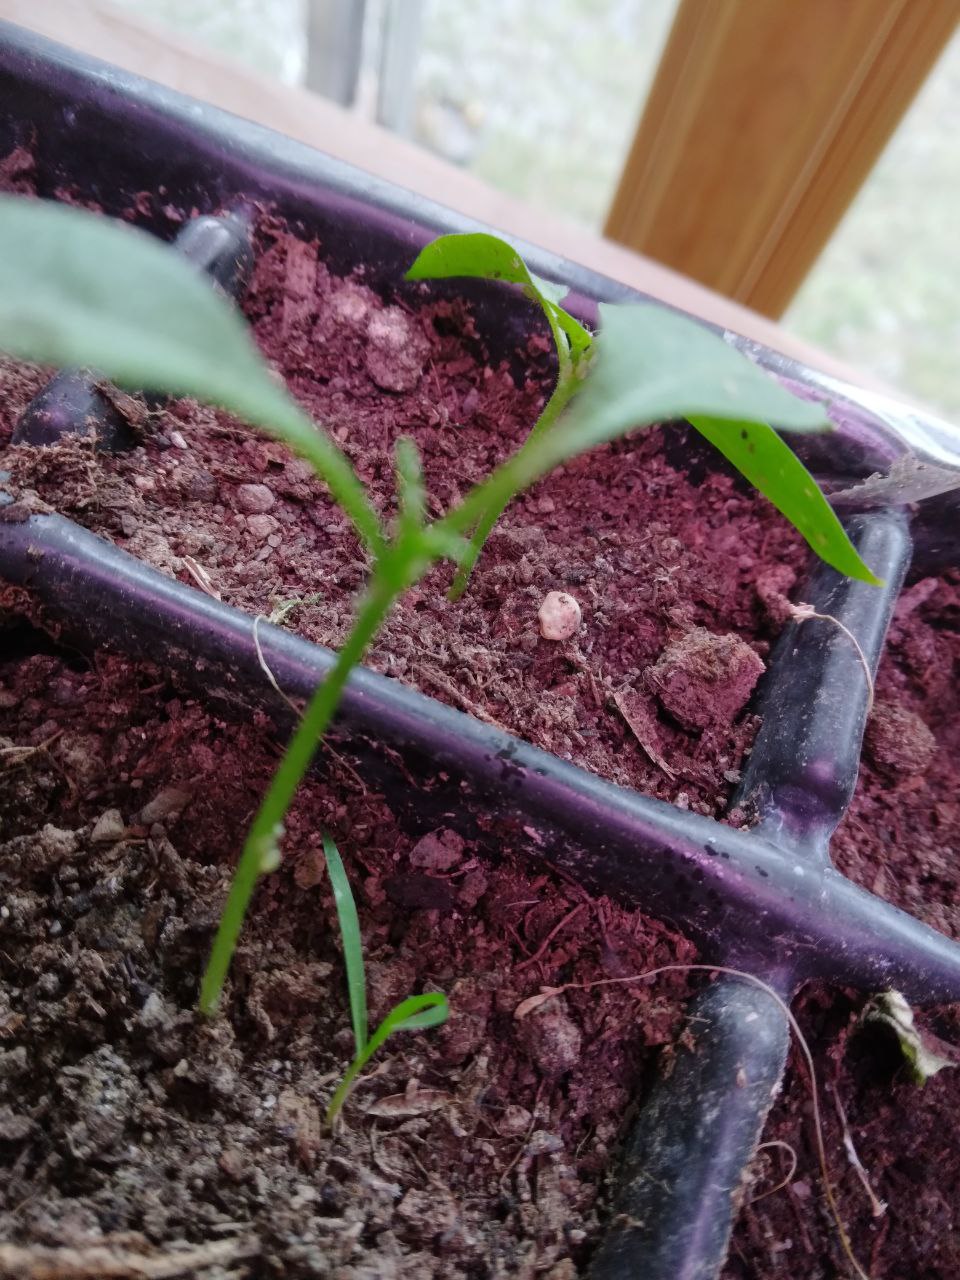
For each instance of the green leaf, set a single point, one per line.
(548, 290)
(653, 365)
(647, 365)
(487, 257)
(550, 296)
(416, 1013)
(759, 454)
(579, 338)
(352, 941)
(78, 289)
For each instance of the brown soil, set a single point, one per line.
(473, 1150)
(480, 1149)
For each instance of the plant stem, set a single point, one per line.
(414, 1013)
(260, 852)
(346, 1084)
(568, 383)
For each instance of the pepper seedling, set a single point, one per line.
(639, 354)
(79, 290)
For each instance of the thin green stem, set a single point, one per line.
(260, 851)
(346, 1084)
(413, 1014)
(568, 384)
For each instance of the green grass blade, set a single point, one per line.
(78, 289)
(352, 941)
(772, 467)
(435, 1008)
(416, 1013)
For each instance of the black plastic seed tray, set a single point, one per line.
(767, 901)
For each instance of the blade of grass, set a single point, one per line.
(352, 941)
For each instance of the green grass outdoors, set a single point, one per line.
(540, 98)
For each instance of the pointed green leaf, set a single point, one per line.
(416, 1013)
(78, 289)
(488, 257)
(759, 454)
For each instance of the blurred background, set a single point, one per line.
(799, 156)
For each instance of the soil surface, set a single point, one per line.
(133, 1133)
(127, 1122)
(480, 1149)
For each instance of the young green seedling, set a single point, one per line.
(416, 1013)
(76, 289)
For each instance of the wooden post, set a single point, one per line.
(763, 121)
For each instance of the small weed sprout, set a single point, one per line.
(416, 1013)
(79, 290)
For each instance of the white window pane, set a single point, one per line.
(539, 97)
(267, 35)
